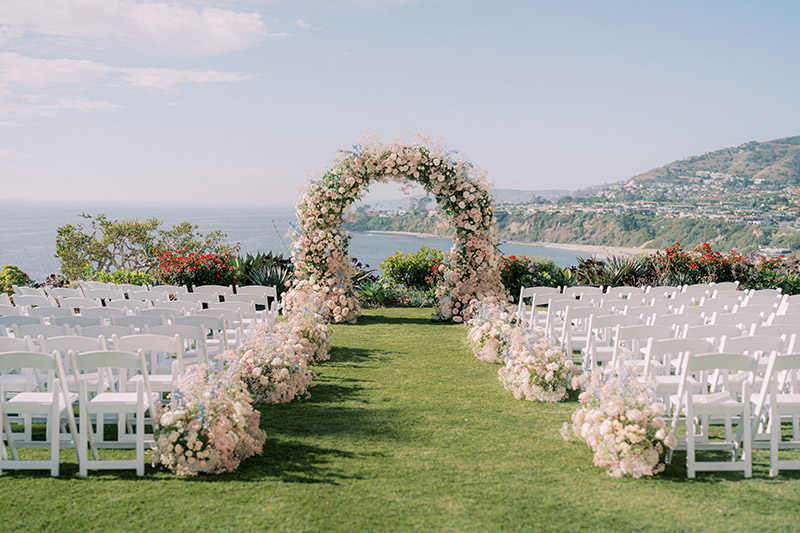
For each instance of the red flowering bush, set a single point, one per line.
(177, 267)
(518, 271)
(676, 266)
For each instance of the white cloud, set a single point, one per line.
(303, 25)
(167, 27)
(45, 87)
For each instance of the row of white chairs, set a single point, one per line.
(97, 289)
(722, 359)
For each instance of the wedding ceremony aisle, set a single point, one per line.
(404, 429)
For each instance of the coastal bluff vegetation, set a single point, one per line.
(745, 197)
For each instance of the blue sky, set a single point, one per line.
(235, 102)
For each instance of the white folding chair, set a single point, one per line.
(9, 310)
(130, 399)
(531, 293)
(599, 346)
(138, 323)
(634, 339)
(779, 399)
(52, 403)
(78, 304)
(705, 408)
(77, 320)
(164, 370)
(214, 289)
(194, 339)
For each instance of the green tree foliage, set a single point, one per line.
(104, 245)
(415, 271)
(12, 275)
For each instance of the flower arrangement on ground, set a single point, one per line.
(535, 369)
(274, 365)
(489, 329)
(209, 425)
(461, 190)
(621, 421)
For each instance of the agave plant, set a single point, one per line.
(264, 269)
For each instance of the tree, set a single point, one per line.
(128, 245)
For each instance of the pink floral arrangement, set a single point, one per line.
(489, 329)
(208, 426)
(535, 369)
(461, 190)
(273, 365)
(621, 420)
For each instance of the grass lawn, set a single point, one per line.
(405, 430)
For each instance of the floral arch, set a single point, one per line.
(320, 246)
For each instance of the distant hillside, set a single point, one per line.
(776, 162)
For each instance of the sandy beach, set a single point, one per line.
(586, 249)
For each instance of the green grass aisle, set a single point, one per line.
(405, 430)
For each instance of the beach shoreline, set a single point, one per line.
(588, 249)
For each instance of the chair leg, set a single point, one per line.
(744, 424)
(140, 439)
(55, 438)
(691, 428)
(83, 444)
(774, 438)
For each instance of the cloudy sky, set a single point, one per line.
(224, 102)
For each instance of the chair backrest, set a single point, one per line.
(19, 320)
(790, 319)
(697, 289)
(663, 291)
(202, 297)
(184, 307)
(711, 331)
(73, 321)
(214, 289)
(624, 291)
(258, 299)
(131, 306)
(127, 288)
(232, 317)
(40, 330)
(148, 342)
(96, 285)
(148, 296)
(634, 339)
(753, 344)
(104, 294)
(114, 359)
(170, 289)
(665, 350)
(65, 343)
(678, 320)
(725, 286)
(192, 337)
(66, 292)
(49, 311)
(5, 299)
(13, 344)
(577, 291)
(78, 303)
(26, 291)
(247, 309)
(139, 322)
(777, 330)
(720, 361)
(260, 290)
(214, 323)
(33, 300)
(104, 312)
(105, 331)
(743, 320)
(164, 313)
(9, 310)
(153, 344)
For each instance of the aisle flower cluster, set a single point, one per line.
(621, 421)
(275, 364)
(489, 329)
(461, 190)
(209, 425)
(535, 368)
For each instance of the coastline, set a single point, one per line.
(588, 249)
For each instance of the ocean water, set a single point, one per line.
(28, 232)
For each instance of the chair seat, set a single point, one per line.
(37, 402)
(715, 403)
(115, 402)
(158, 382)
